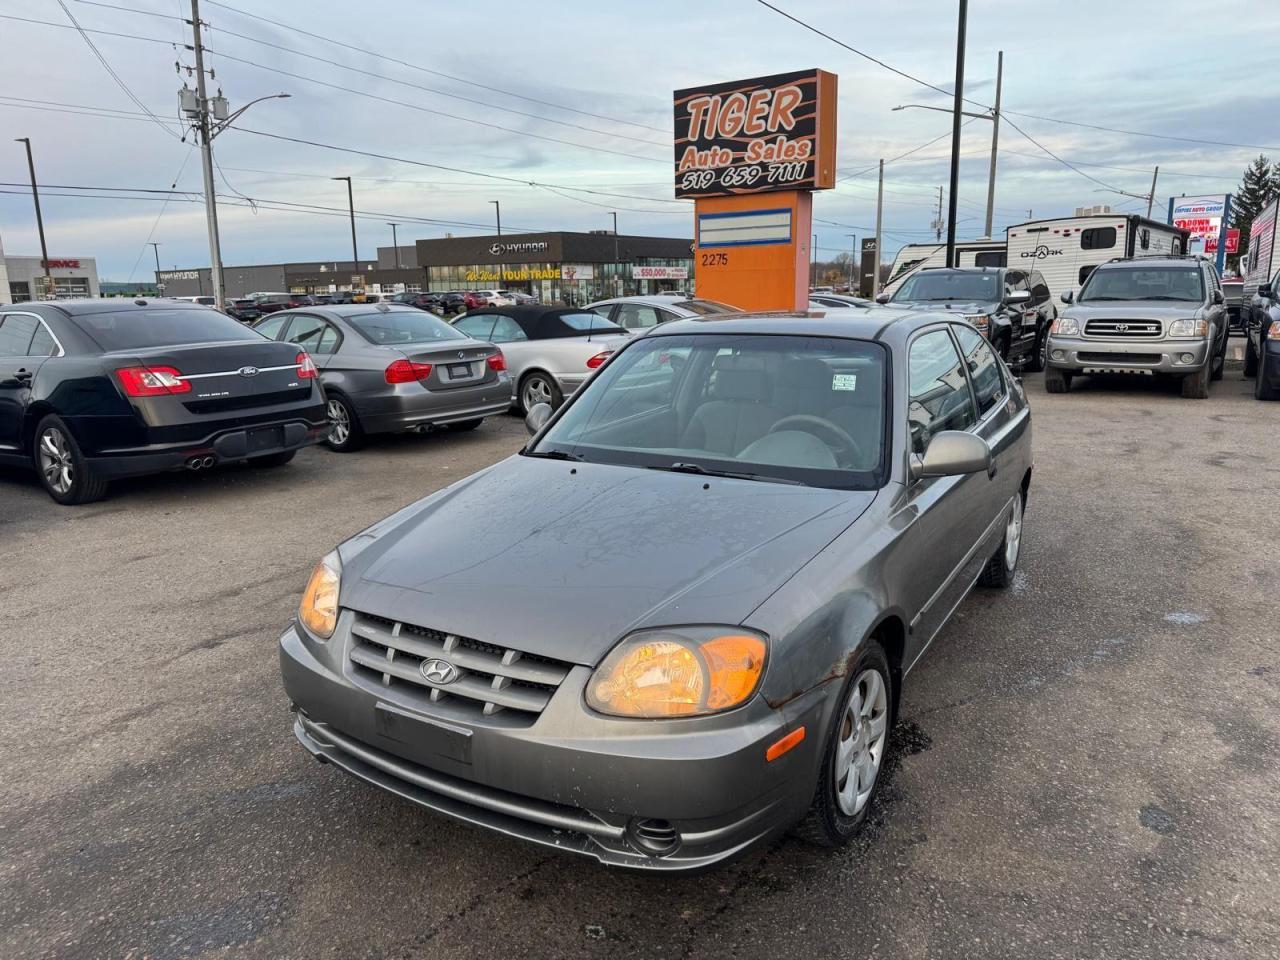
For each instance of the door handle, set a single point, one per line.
(23, 376)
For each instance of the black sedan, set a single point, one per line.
(92, 390)
(246, 311)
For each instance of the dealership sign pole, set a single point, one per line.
(750, 153)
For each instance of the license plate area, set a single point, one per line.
(431, 736)
(264, 438)
(458, 371)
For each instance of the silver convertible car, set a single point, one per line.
(678, 622)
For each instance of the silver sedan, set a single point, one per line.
(637, 314)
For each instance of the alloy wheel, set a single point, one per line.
(864, 729)
(339, 422)
(1013, 534)
(55, 461)
(536, 391)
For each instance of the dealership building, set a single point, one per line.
(564, 267)
(24, 278)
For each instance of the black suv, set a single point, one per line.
(1011, 307)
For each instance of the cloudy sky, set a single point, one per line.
(575, 96)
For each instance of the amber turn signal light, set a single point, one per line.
(780, 747)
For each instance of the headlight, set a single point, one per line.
(1065, 327)
(683, 672)
(979, 320)
(1189, 328)
(319, 608)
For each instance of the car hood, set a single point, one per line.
(951, 306)
(561, 560)
(1133, 309)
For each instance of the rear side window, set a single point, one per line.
(984, 370)
(477, 327)
(42, 344)
(1098, 238)
(272, 327)
(145, 327)
(16, 332)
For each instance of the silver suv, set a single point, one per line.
(1143, 315)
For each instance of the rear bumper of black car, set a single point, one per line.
(225, 445)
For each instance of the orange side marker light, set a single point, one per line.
(783, 745)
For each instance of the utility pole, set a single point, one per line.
(875, 265)
(813, 276)
(497, 212)
(937, 220)
(1151, 197)
(616, 265)
(35, 195)
(206, 159)
(351, 208)
(955, 133)
(995, 140)
(160, 285)
(853, 257)
(394, 245)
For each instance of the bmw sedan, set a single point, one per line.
(679, 621)
(92, 390)
(637, 314)
(391, 368)
(550, 351)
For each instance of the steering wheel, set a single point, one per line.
(845, 447)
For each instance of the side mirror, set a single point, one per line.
(1068, 296)
(537, 417)
(1018, 296)
(1218, 297)
(952, 453)
(1264, 290)
(882, 298)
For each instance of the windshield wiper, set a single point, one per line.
(682, 467)
(1091, 299)
(1163, 296)
(556, 455)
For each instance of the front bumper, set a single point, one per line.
(410, 407)
(572, 780)
(1096, 355)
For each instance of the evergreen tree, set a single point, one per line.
(1259, 186)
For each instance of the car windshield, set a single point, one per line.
(949, 285)
(784, 409)
(1143, 283)
(146, 327)
(386, 327)
(705, 308)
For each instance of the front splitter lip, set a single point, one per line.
(562, 828)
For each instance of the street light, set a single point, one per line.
(497, 213)
(160, 285)
(351, 207)
(617, 267)
(394, 245)
(35, 195)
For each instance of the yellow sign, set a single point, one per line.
(484, 275)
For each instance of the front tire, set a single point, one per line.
(1056, 381)
(1039, 352)
(64, 472)
(1250, 357)
(345, 432)
(1220, 362)
(1195, 386)
(1261, 389)
(539, 387)
(853, 753)
(1000, 569)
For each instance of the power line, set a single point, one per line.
(413, 66)
(152, 232)
(1066, 163)
(115, 76)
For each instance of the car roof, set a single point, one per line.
(538, 320)
(88, 306)
(1125, 263)
(653, 300)
(881, 325)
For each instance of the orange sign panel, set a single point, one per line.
(774, 133)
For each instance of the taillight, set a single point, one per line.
(598, 359)
(152, 381)
(497, 362)
(306, 366)
(407, 371)
(1273, 331)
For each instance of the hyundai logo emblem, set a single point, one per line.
(248, 371)
(496, 249)
(438, 671)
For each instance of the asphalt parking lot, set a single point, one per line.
(1087, 765)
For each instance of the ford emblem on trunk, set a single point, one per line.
(438, 671)
(248, 371)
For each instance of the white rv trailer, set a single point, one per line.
(1065, 250)
(969, 253)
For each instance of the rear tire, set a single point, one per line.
(345, 432)
(63, 470)
(1000, 569)
(1195, 386)
(273, 459)
(1261, 389)
(852, 749)
(1057, 381)
(462, 426)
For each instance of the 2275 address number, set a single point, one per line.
(714, 260)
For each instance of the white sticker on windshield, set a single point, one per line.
(844, 381)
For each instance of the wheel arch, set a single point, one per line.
(36, 412)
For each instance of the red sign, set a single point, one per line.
(60, 264)
(1233, 242)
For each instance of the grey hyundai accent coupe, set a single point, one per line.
(678, 622)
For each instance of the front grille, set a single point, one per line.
(491, 679)
(1126, 358)
(1121, 329)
